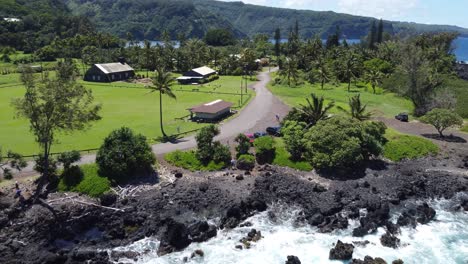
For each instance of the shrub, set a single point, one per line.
(72, 176)
(284, 159)
(188, 160)
(91, 184)
(342, 142)
(442, 119)
(264, 150)
(293, 134)
(246, 162)
(68, 158)
(243, 144)
(123, 154)
(221, 153)
(205, 146)
(400, 147)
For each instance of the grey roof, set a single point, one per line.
(212, 107)
(114, 67)
(204, 70)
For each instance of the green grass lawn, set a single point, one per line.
(91, 184)
(401, 146)
(123, 104)
(382, 104)
(464, 128)
(189, 161)
(460, 88)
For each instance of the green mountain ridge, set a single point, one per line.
(148, 19)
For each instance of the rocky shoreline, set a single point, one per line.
(176, 212)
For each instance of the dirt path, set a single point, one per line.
(256, 116)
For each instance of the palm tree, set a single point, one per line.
(374, 78)
(321, 71)
(357, 110)
(162, 82)
(315, 110)
(350, 67)
(289, 71)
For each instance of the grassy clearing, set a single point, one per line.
(123, 104)
(282, 158)
(92, 183)
(189, 161)
(382, 103)
(460, 88)
(402, 146)
(464, 128)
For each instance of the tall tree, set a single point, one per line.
(54, 106)
(380, 31)
(315, 109)
(277, 42)
(289, 71)
(350, 67)
(322, 70)
(162, 83)
(421, 80)
(372, 37)
(296, 29)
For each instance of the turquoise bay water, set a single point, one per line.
(443, 240)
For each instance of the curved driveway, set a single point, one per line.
(263, 107)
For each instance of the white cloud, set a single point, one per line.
(389, 9)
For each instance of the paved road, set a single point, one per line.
(256, 116)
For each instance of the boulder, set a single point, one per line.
(108, 199)
(178, 174)
(201, 231)
(175, 238)
(341, 251)
(240, 177)
(292, 260)
(368, 260)
(425, 213)
(197, 252)
(389, 240)
(316, 219)
(398, 261)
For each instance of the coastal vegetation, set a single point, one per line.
(124, 155)
(400, 146)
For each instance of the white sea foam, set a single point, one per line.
(443, 240)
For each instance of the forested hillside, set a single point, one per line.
(41, 21)
(148, 19)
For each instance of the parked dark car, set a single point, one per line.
(275, 131)
(259, 134)
(403, 117)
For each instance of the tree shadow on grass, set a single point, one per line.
(174, 139)
(450, 139)
(353, 173)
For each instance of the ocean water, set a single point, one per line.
(443, 240)
(461, 49)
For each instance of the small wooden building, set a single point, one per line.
(195, 75)
(212, 111)
(109, 72)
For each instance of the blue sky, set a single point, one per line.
(450, 12)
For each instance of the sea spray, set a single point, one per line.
(443, 240)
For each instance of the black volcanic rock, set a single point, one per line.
(292, 260)
(341, 251)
